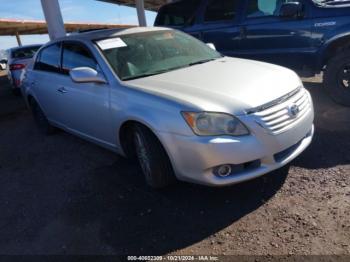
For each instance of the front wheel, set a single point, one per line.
(337, 78)
(153, 159)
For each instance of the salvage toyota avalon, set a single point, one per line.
(175, 104)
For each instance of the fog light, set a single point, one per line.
(224, 170)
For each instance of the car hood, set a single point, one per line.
(229, 85)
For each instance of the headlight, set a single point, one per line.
(214, 124)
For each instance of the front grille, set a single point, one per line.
(280, 117)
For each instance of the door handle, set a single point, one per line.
(62, 90)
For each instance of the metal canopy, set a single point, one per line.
(53, 16)
(29, 27)
(152, 5)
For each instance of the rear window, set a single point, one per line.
(26, 52)
(178, 14)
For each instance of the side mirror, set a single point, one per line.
(291, 9)
(212, 46)
(86, 75)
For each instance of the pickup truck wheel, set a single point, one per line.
(153, 159)
(337, 78)
(40, 119)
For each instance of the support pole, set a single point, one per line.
(18, 37)
(140, 8)
(53, 17)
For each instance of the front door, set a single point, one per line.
(268, 37)
(85, 106)
(220, 25)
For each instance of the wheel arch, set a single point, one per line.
(125, 136)
(335, 45)
(126, 143)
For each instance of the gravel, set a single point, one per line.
(62, 195)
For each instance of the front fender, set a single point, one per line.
(336, 36)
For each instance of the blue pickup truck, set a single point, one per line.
(309, 36)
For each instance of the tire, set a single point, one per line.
(337, 78)
(152, 157)
(40, 119)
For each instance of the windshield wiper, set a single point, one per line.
(167, 70)
(143, 75)
(152, 73)
(201, 62)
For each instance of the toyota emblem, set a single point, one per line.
(294, 110)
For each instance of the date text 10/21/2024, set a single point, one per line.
(172, 258)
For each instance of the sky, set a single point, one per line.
(72, 11)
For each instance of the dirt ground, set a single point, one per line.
(62, 195)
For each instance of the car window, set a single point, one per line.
(178, 14)
(221, 10)
(49, 59)
(263, 8)
(76, 55)
(27, 52)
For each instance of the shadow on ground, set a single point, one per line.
(134, 219)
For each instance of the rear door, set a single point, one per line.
(44, 80)
(220, 25)
(268, 37)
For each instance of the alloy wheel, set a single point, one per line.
(142, 154)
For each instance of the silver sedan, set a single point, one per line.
(178, 106)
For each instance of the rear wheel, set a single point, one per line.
(40, 119)
(152, 157)
(337, 78)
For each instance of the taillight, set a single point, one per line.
(17, 66)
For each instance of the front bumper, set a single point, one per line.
(195, 158)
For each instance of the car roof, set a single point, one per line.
(109, 33)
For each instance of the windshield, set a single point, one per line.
(143, 54)
(26, 52)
